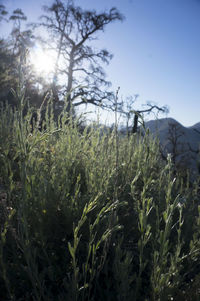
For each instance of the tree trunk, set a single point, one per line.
(135, 124)
(70, 81)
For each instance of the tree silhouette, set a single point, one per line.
(133, 115)
(15, 66)
(3, 13)
(71, 31)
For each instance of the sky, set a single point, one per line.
(156, 51)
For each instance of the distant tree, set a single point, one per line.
(15, 67)
(7, 70)
(3, 13)
(176, 146)
(4, 57)
(21, 40)
(71, 30)
(133, 114)
(150, 108)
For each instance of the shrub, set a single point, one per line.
(86, 216)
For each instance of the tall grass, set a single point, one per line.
(89, 215)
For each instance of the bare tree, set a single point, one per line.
(71, 30)
(148, 110)
(178, 148)
(134, 115)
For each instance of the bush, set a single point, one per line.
(86, 216)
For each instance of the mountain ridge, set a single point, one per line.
(183, 143)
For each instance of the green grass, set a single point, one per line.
(92, 216)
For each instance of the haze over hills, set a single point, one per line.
(196, 127)
(181, 142)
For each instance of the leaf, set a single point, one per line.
(71, 249)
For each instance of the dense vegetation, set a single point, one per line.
(86, 213)
(89, 215)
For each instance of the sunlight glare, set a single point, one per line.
(43, 61)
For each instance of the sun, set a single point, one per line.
(43, 61)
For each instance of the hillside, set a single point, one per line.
(182, 142)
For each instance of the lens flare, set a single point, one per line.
(43, 61)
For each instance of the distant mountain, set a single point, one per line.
(196, 127)
(182, 142)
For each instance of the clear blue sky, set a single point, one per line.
(156, 50)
